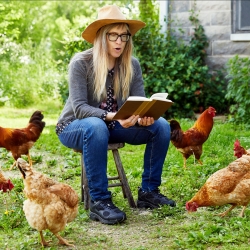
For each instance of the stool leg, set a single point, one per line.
(84, 186)
(125, 186)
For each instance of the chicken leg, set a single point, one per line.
(62, 241)
(184, 162)
(15, 163)
(242, 211)
(227, 211)
(200, 162)
(43, 241)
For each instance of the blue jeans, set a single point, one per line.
(92, 136)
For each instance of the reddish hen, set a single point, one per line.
(19, 141)
(190, 142)
(239, 150)
(5, 185)
(230, 185)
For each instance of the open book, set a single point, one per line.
(155, 106)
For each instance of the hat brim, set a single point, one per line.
(90, 32)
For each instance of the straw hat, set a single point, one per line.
(107, 15)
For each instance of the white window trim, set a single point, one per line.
(163, 5)
(240, 37)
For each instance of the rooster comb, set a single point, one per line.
(237, 143)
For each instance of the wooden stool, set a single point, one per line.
(121, 177)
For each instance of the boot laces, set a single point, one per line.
(107, 203)
(158, 194)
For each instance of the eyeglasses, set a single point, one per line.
(114, 36)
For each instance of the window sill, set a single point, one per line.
(240, 37)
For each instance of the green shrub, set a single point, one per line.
(170, 65)
(70, 48)
(34, 75)
(238, 89)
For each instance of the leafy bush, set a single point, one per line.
(34, 75)
(238, 89)
(32, 64)
(170, 65)
(70, 48)
(29, 72)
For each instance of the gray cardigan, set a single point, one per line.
(81, 103)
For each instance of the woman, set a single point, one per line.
(100, 80)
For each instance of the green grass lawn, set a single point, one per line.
(164, 228)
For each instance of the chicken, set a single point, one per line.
(5, 185)
(230, 185)
(239, 150)
(19, 141)
(49, 205)
(190, 142)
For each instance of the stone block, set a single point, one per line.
(209, 49)
(179, 6)
(221, 18)
(181, 33)
(218, 32)
(205, 18)
(231, 48)
(217, 62)
(211, 5)
(180, 19)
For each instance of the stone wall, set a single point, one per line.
(215, 17)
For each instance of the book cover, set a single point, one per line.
(154, 107)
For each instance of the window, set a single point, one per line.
(241, 17)
(240, 20)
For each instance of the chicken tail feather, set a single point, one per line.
(36, 119)
(176, 132)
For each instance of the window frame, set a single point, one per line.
(236, 14)
(238, 33)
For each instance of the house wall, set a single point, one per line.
(215, 17)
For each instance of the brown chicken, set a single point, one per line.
(5, 185)
(230, 185)
(19, 141)
(49, 205)
(239, 150)
(190, 142)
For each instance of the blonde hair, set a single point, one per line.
(123, 70)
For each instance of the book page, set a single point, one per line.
(155, 108)
(138, 98)
(161, 99)
(159, 96)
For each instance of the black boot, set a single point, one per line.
(106, 212)
(153, 199)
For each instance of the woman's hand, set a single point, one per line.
(131, 121)
(146, 121)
